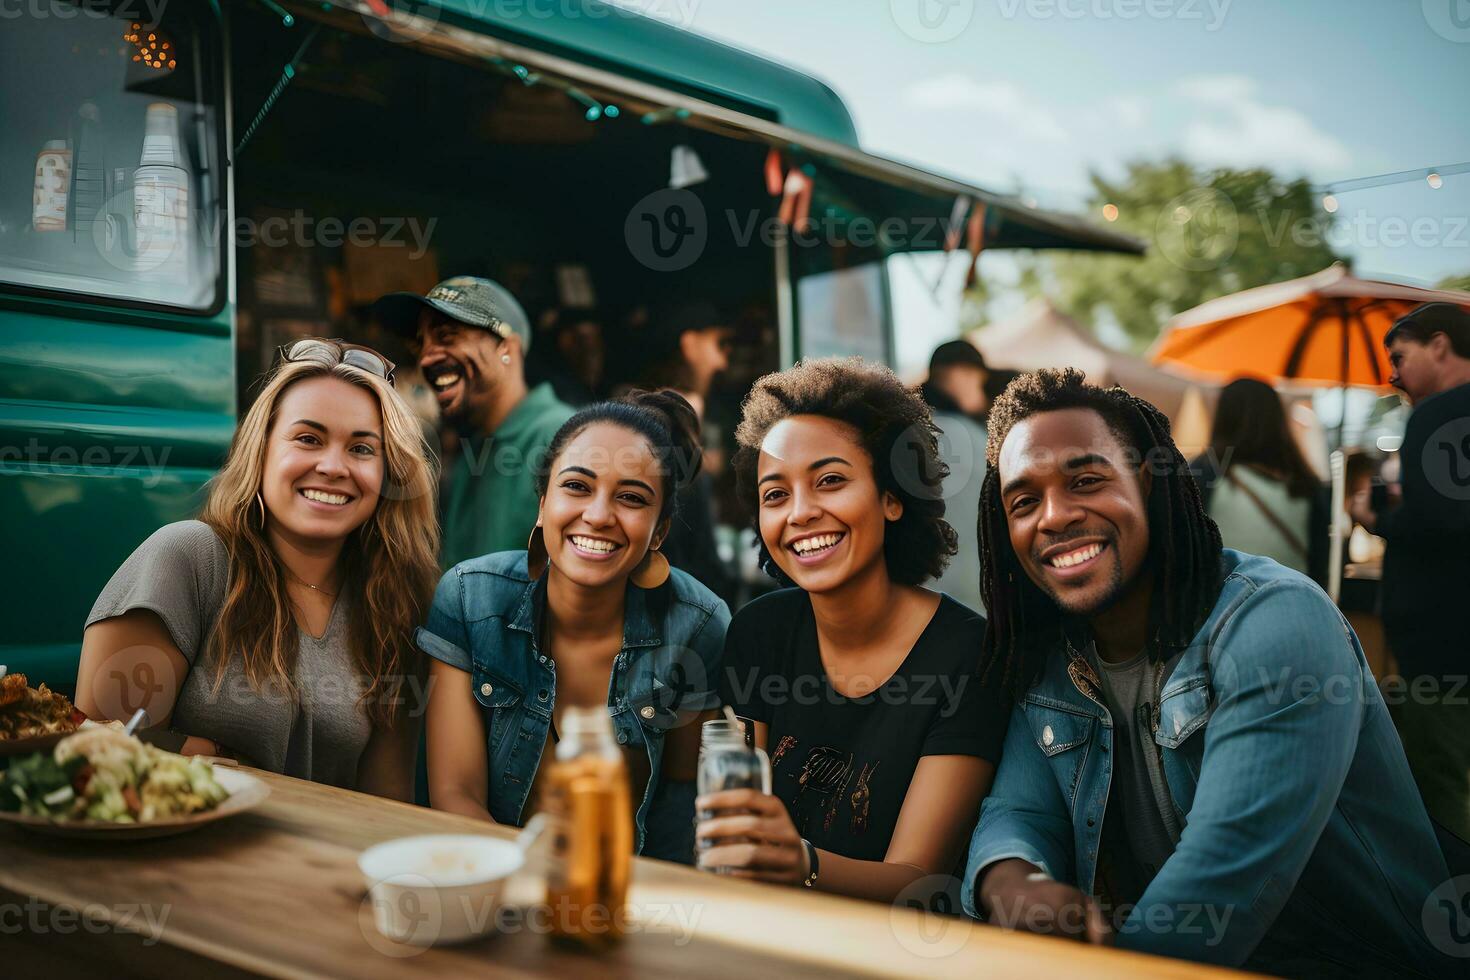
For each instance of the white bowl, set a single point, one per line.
(440, 888)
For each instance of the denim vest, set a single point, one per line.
(484, 619)
(1303, 832)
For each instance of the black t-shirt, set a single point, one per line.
(843, 765)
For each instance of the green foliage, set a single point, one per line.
(1209, 234)
(1461, 283)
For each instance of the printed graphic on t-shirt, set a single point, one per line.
(828, 783)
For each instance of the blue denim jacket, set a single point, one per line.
(484, 620)
(1303, 831)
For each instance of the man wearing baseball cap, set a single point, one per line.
(471, 337)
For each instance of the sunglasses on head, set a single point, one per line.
(338, 352)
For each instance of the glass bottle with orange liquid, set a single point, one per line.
(587, 799)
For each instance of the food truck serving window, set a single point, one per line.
(109, 174)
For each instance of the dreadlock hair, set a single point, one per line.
(1184, 544)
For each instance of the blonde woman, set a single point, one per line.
(278, 628)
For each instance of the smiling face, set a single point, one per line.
(1076, 507)
(822, 516)
(323, 468)
(463, 366)
(600, 514)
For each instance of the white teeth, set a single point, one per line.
(1076, 557)
(325, 498)
(445, 380)
(593, 544)
(808, 545)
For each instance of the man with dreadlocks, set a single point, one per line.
(1199, 764)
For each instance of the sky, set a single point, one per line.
(1035, 94)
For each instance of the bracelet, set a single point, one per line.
(811, 863)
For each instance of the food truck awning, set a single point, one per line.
(667, 74)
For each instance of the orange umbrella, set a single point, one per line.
(1326, 329)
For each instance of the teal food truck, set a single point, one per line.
(187, 184)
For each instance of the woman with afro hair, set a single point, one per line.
(862, 685)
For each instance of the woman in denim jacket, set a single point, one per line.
(590, 614)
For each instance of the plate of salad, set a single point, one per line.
(101, 783)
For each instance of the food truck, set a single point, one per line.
(185, 185)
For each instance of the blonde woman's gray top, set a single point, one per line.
(317, 732)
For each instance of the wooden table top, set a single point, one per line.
(276, 892)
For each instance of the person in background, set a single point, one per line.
(695, 342)
(278, 628)
(863, 686)
(574, 365)
(1198, 751)
(591, 614)
(1258, 487)
(956, 394)
(696, 349)
(1426, 565)
(470, 337)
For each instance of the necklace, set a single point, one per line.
(314, 588)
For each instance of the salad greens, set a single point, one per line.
(38, 785)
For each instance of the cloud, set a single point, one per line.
(1232, 127)
(1005, 105)
(1128, 112)
(1218, 89)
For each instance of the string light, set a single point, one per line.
(1329, 204)
(1434, 175)
(153, 50)
(1110, 212)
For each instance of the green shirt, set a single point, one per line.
(490, 504)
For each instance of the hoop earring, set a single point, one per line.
(536, 557)
(261, 502)
(652, 571)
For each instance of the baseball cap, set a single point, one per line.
(471, 300)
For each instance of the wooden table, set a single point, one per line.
(276, 892)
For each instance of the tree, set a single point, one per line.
(1208, 233)
(1461, 283)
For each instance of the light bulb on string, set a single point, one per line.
(1329, 204)
(1434, 180)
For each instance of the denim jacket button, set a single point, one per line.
(648, 712)
(486, 690)
(622, 738)
(541, 695)
(1047, 736)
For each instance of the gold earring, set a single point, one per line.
(536, 557)
(652, 571)
(261, 502)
